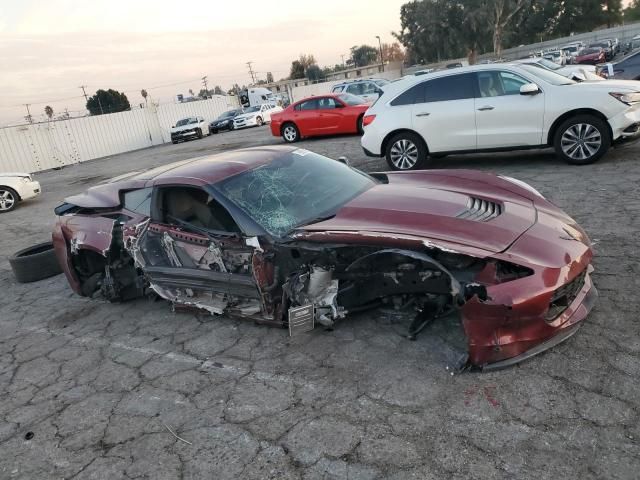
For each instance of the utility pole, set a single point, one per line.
(342, 60)
(28, 118)
(253, 78)
(381, 57)
(86, 98)
(206, 89)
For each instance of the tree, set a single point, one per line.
(313, 73)
(144, 94)
(502, 12)
(191, 93)
(269, 77)
(218, 90)
(297, 70)
(108, 101)
(48, 112)
(632, 12)
(363, 55)
(307, 60)
(393, 52)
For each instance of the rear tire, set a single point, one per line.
(360, 125)
(406, 151)
(290, 133)
(582, 139)
(8, 199)
(35, 263)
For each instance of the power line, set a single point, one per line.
(84, 93)
(253, 78)
(204, 82)
(28, 118)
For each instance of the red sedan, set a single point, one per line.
(324, 115)
(591, 56)
(287, 237)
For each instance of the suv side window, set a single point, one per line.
(497, 84)
(356, 89)
(369, 88)
(414, 95)
(451, 87)
(138, 201)
(337, 89)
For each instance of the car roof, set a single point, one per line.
(215, 168)
(348, 82)
(321, 95)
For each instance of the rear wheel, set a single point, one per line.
(582, 139)
(360, 125)
(406, 151)
(290, 133)
(8, 199)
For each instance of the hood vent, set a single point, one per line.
(480, 210)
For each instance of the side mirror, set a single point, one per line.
(529, 89)
(173, 126)
(344, 160)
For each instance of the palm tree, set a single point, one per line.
(48, 111)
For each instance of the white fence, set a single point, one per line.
(42, 146)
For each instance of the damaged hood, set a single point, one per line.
(458, 210)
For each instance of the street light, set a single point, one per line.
(381, 57)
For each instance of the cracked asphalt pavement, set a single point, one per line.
(95, 390)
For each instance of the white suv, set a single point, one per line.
(499, 107)
(368, 89)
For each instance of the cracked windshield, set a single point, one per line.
(295, 190)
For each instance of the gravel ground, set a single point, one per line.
(100, 385)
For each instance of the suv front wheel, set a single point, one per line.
(406, 151)
(582, 139)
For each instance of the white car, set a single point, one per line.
(499, 107)
(190, 127)
(557, 56)
(580, 73)
(369, 89)
(256, 116)
(15, 187)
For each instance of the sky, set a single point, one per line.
(49, 48)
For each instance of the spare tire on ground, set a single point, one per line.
(35, 263)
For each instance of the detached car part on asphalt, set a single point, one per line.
(287, 237)
(16, 187)
(35, 263)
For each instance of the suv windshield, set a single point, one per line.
(350, 99)
(296, 189)
(184, 121)
(252, 109)
(549, 77)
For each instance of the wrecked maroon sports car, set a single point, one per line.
(287, 237)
